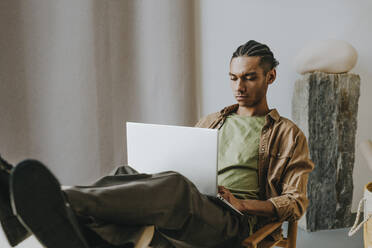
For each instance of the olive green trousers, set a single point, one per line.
(118, 206)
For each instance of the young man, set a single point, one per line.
(263, 170)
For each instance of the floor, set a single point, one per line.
(327, 239)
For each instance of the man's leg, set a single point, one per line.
(13, 229)
(167, 200)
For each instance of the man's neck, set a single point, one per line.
(259, 110)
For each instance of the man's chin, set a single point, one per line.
(246, 104)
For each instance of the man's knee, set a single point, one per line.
(123, 170)
(180, 181)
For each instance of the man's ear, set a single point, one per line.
(271, 76)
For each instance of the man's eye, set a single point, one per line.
(233, 78)
(250, 78)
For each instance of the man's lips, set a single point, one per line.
(241, 97)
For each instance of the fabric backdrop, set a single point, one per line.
(73, 72)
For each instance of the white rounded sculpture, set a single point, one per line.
(330, 56)
(366, 148)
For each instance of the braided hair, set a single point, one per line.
(254, 48)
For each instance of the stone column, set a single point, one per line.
(325, 107)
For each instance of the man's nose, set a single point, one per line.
(240, 85)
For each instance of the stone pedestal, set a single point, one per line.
(325, 107)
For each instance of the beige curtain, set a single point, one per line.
(73, 72)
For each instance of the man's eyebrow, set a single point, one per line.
(245, 74)
(250, 73)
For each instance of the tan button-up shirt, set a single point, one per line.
(283, 165)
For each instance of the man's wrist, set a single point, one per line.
(257, 207)
(241, 206)
(246, 205)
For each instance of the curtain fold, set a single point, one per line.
(73, 72)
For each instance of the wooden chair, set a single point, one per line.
(257, 238)
(251, 242)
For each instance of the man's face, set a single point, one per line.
(248, 81)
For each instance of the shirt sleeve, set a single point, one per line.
(291, 204)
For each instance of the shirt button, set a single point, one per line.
(262, 149)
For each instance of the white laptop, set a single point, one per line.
(193, 152)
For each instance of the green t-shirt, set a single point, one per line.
(239, 139)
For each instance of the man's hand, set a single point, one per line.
(228, 196)
(256, 207)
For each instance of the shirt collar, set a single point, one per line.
(273, 114)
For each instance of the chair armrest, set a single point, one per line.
(262, 233)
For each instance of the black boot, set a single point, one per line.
(13, 229)
(40, 204)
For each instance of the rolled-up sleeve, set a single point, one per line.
(291, 204)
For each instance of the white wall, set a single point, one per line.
(285, 26)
